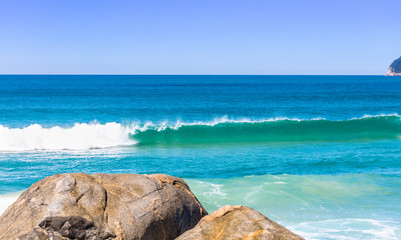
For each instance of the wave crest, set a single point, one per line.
(219, 131)
(278, 130)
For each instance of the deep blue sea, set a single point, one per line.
(321, 155)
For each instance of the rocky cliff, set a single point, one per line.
(126, 206)
(395, 68)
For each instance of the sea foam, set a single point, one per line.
(351, 206)
(7, 199)
(80, 136)
(223, 130)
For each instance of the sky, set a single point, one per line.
(343, 37)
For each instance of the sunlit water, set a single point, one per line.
(319, 154)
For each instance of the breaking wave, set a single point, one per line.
(79, 137)
(219, 131)
(280, 130)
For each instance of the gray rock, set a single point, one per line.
(102, 206)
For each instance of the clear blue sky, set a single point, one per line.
(199, 37)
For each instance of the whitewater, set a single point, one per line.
(318, 154)
(83, 136)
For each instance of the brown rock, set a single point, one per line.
(102, 206)
(237, 222)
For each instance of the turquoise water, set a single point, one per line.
(319, 154)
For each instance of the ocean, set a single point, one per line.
(320, 155)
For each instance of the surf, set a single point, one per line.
(84, 136)
(81, 136)
(282, 130)
(336, 200)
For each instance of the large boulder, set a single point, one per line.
(237, 222)
(102, 206)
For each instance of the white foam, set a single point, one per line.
(7, 199)
(80, 136)
(84, 136)
(379, 115)
(348, 228)
(178, 124)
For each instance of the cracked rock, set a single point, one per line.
(102, 206)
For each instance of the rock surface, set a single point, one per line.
(395, 68)
(237, 222)
(127, 206)
(102, 206)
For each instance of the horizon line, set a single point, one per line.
(134, 74)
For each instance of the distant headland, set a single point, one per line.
(395, 68)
